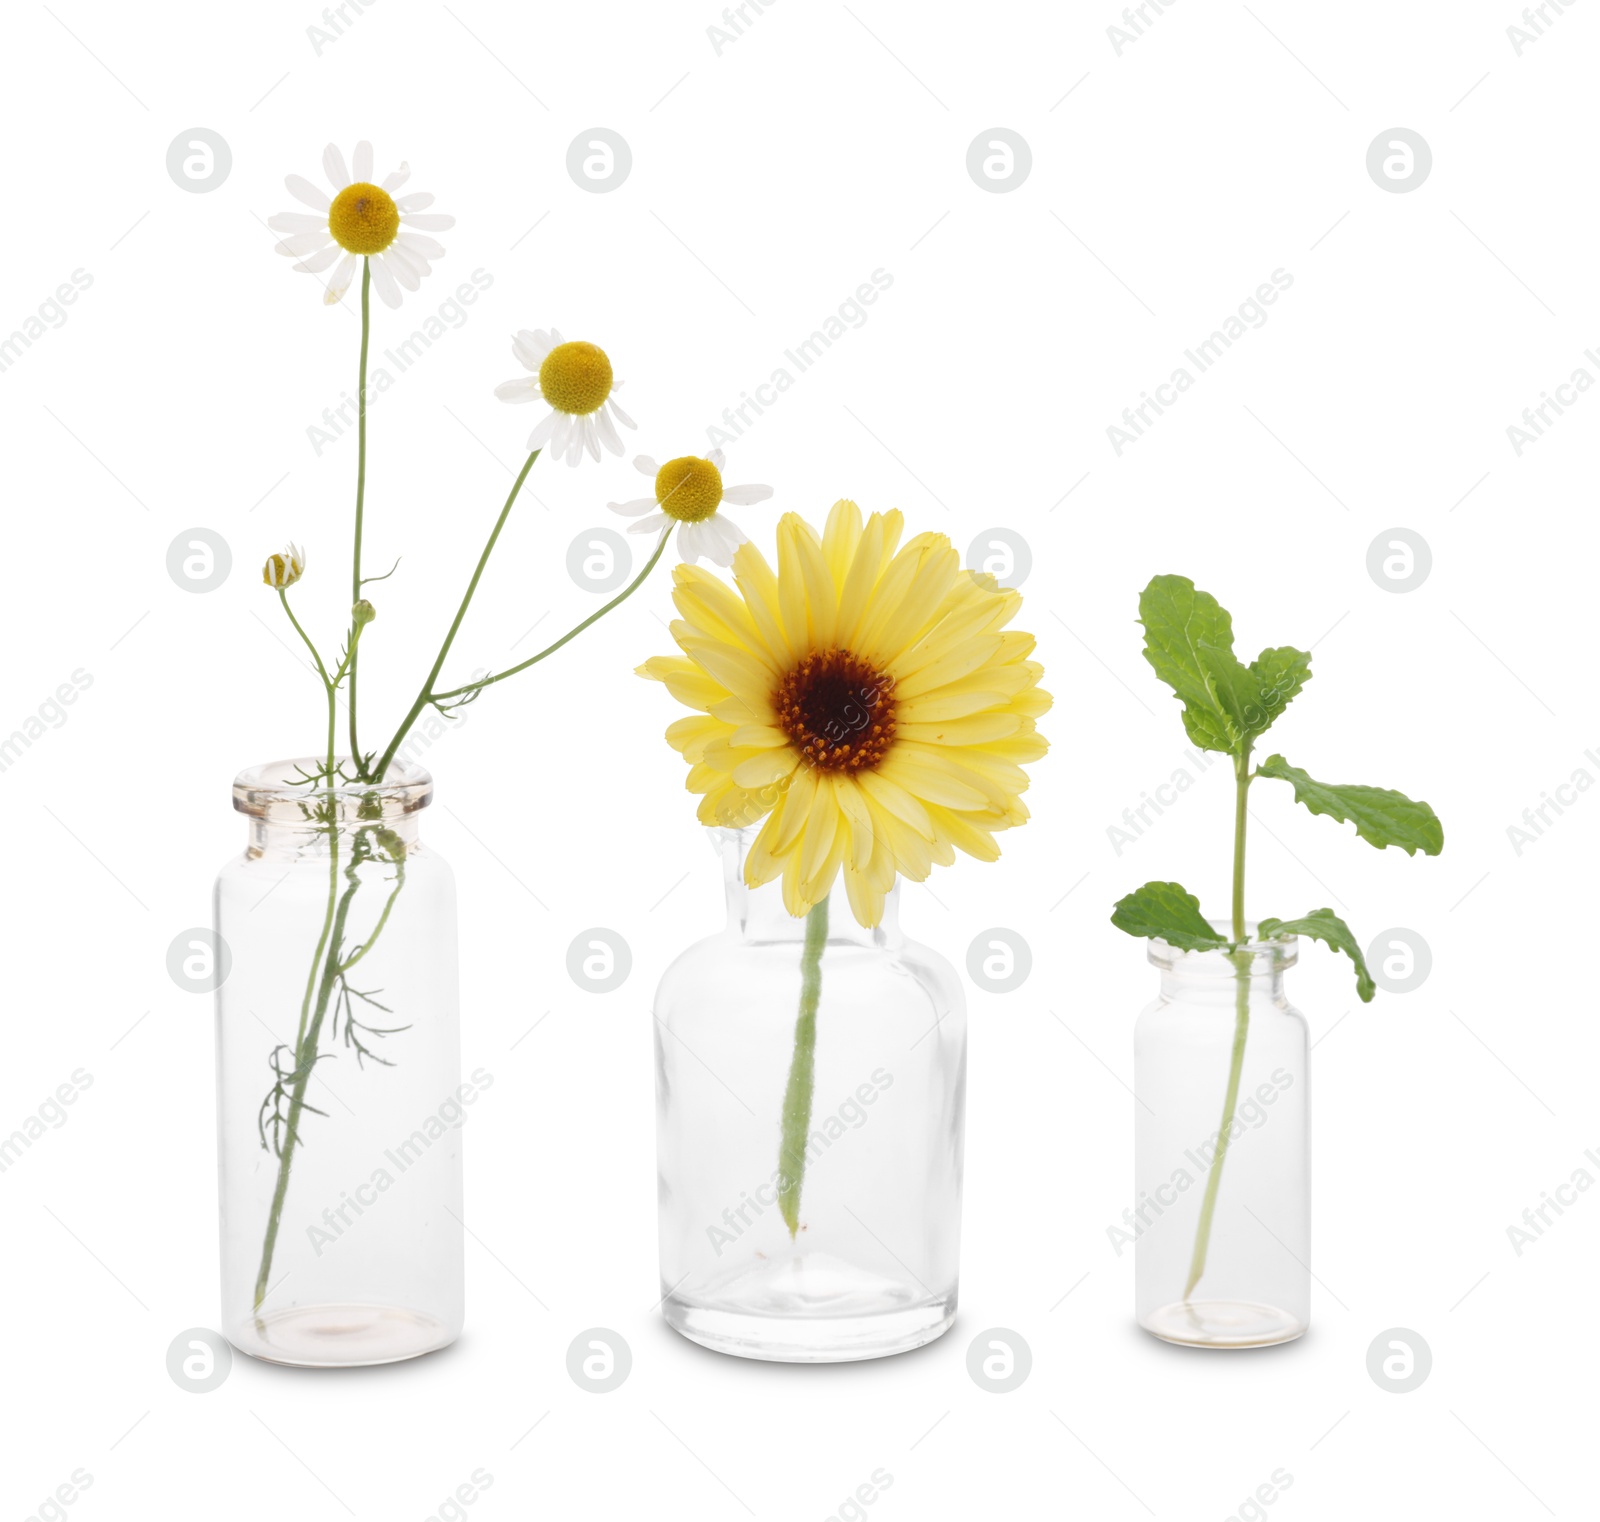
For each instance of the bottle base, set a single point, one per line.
(340, 1336)
(809, 1309)
(1223, 1324)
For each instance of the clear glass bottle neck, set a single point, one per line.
(758, 916)
(1201, 977)
(292, 812)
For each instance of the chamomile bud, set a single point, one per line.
(286, 569)
(363, 613)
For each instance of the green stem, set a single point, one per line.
(306, 1046)
(1241, 798)
(425, 695)
(797, 1095)
(361, 485)
(571, 634)
(1241, 1024)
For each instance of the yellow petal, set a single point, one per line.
(759, 588)
(792, 607)
(840, 536)
(739, 672)
(964, 832)
(757, 737)
(930, 780)
(854, 808)
(965, 658)
(895, 800)
(763, 767)
(684, 680)
(689, 736)
(977, 729)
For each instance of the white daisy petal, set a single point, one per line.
(301, 244)
(621, 416)
(298, 222)
(745, 496)
(530, 348)
(432, 221)
(634, 508)
(394, 181)
(645, 465)
(419, 200)
(409, 258)
(691, 540)
(544, 429)
(307, 193)
(419, 243)
(333, 166)
(560, 433)
(361, 162)
(339, 281)
(523, 389)
(390, 262)
(718, 459)
(383, 279)
(607, 431)
(591, 437)
(575, 443)
(555, 336)
(721, 539)
(320, 260)
(650, 525)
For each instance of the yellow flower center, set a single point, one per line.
(837, 710)
(689, 489)
(363, 219)
(576, 378)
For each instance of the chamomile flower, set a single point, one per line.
(575, 381)
(689, 491)
(361, 220)
(284, 570)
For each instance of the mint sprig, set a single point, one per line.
(1227, 706)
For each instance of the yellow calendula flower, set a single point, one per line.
(866, 700)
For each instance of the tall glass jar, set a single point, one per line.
(339, 1094)
(1222, 1212)
(871, 1178)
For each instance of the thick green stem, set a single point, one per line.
(361, 486)
(1241, 1024)
(802, 1071)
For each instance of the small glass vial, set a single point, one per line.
(1222, 1212)
(872, 1267)
(339, 1094)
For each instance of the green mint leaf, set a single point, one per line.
(1381, 817)
(1166, 911)
(1324, 925)
(1189, 644)
(1185, 631)
(1279, 674)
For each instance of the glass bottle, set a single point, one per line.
(872, 1266)
(339, 1094)
(1222, 1214)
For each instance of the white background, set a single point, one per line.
(768, 182)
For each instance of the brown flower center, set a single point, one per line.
(837, 710)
